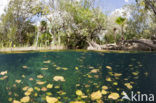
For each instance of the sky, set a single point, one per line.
(3, 4)
(105, 5)
(112, 5)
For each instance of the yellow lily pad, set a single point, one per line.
(15, 101)
(109, 67)
(24, 67)
(65, 68)
(3, 78)
(40, 76)
(117, 74)
(79, 92)
(48, 93)
(115, 83)
(51, 99)
(27, 93)
(25, 99)
(59, 78)
(96, 95)
(113, 96)
(40, 82)
(37, 88)
(94, 71)
(43, 89)
(76, 68)
(58, 68)
(9, 99)
(18, 81)
(104, 87)
(25, 88)
(44, 68)
(30, 89)
(135, 73)
(31, 79)
(46, 62)
(49, 86)
(3, 72)
(104, 92)
(128, 85)
(108, 79)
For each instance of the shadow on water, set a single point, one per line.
(90, 77)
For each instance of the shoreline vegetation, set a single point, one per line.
(38, 25)
(62, 48)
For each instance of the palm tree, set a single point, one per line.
(121, 22)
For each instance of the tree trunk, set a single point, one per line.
(152, 46)
(38, 33)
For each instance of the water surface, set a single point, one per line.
(81, 74)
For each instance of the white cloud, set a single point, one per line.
(126, 0)
(3, 4)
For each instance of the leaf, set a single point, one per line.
(40, 76)
(96, 95)
(49, 86)
(40, 82)
(25, 99)
(104, 87)
(18, 81)
(59, 78)
(51, 99)
(15, 101)
(113, 96)
(109, 67)
(3, 72)
(128, 85)
(79, 92)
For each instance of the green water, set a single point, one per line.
(26, 69)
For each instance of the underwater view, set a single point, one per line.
(76, 77)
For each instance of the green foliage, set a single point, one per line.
(120, 20)
(72, 23)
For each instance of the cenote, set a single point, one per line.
(75, 76)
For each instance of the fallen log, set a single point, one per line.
(150, 45)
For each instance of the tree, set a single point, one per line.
(149, 4)
(17, 18)
(121, 22)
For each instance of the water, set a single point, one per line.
(28, 74)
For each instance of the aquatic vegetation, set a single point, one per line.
(25, 99)
(44, 68)
(15, 101)
(40, 76)
(108, 79)
(18, 81)
(94, 71)
(51, 99)
(96, 95)
(109, 67)
(40, 82)
(25, 67)
(76, 68)
(59, 78)
(104, 87)
(3, 72)
(128, 85)
(113, 96)
(79, 92)
(49, 86)
(47, 62)
(79, 81)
